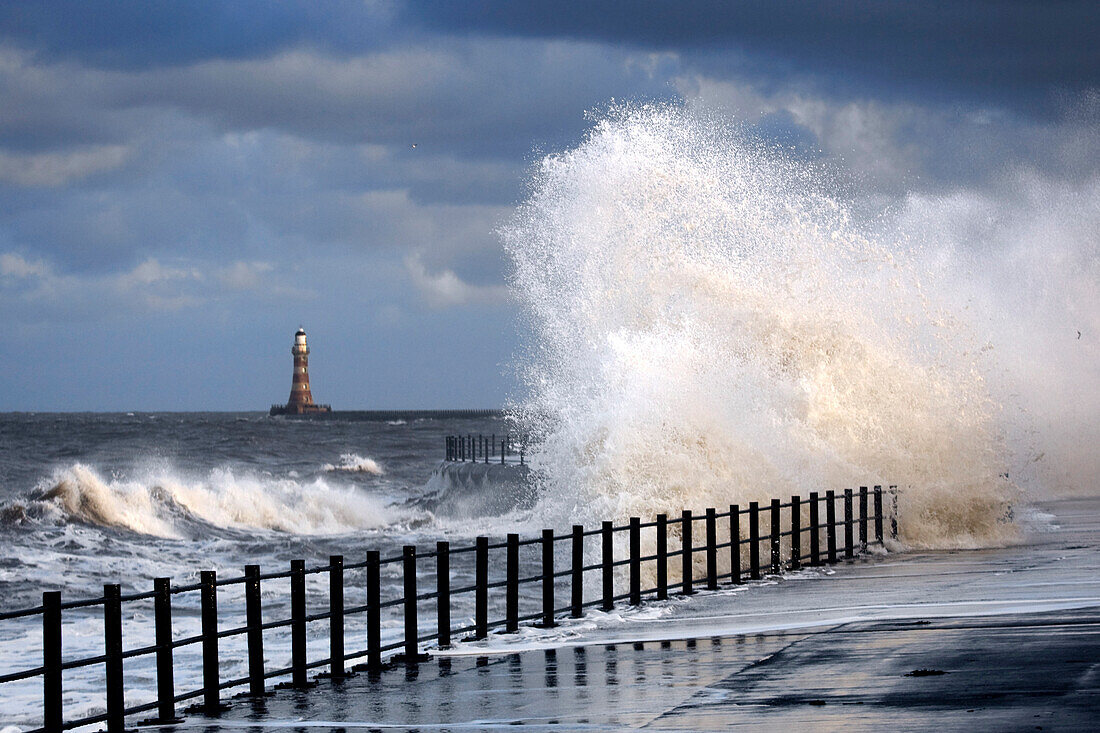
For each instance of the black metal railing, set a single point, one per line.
(484, 448)
(783, 540)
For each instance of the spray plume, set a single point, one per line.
(710, 327)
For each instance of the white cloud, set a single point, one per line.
(58, 169)
(445, 288)
(150, 285)
(13, 265)
(243, 276)
(897, 146)
(151, 271)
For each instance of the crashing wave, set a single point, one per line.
(164, 503)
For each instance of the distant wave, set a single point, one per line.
(354, 463)
(163, 503)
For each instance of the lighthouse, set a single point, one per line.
(301, 397)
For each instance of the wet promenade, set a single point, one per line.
(1005, 639)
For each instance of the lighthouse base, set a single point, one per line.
(310, 409)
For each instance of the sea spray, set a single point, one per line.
(710, 327)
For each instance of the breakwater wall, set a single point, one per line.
(367, 415)
(689, 552)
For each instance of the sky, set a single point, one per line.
(183, 185)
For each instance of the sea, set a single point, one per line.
(92, 499)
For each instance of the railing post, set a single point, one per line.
(548, 579)
(894, 513)
(862, 518)
(162, 618)
(776, 539)
(848, 528)
(796, 532)
(608, 566)
(502, 442)
(112, 649)
(481, 590)
(408, 572)
(298, 624)
(511, 586)
(662, 557)
(254, 622)
(830, 525)
(443, 592)
(735, 543)
(336, 616)
(712, 550)
(878, 514)
(208, 590)
(815, 531)
(687, 569)
(374, 611)
(754, 540)
(577, 569)
(635, 561)
(52, 718)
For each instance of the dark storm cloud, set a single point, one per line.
(152, 33)
(1017, 53)
(101, 167)
(491, 99)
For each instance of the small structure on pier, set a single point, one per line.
(301, 397)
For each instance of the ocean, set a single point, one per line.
(89, 499)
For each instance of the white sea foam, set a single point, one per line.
(354, 463)
(164, 502)
(711, 328)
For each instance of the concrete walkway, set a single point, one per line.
(1005, 639)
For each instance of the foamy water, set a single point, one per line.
(92, 499)
(711, 327)
(162, 502)
(356, 463)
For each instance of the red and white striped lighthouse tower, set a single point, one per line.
(301, 397)
(300, 394)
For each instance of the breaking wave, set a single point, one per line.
(163, 503)
(353, 463)
(712, 327)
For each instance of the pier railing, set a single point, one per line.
(758, 540)
(483, 448)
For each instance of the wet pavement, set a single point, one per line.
(1005, 639)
